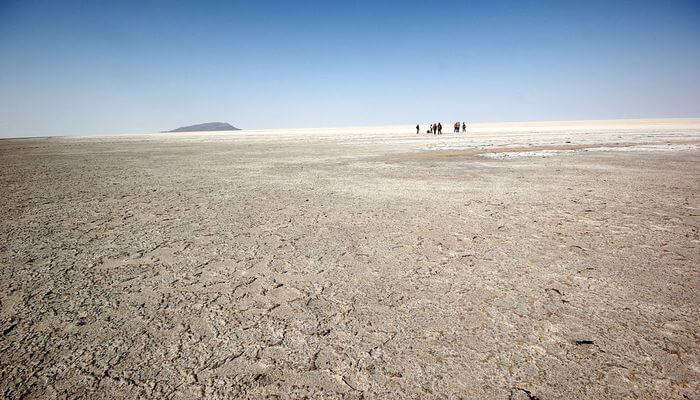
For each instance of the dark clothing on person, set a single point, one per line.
(464, 127)
(417, 129)
(439, 128)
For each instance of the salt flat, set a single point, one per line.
(553, 260)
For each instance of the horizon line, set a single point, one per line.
(353, 126)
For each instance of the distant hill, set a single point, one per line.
(207, 127)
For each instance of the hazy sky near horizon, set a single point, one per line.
(79, 67)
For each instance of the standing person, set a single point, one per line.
(434, 129)
(417, 129)
(439, 128)
(464, 127)
(456, 130)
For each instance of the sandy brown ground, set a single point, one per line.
(377, 264)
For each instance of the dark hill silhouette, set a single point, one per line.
(207, 127)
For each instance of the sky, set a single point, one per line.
(95, 67)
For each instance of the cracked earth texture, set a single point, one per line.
(359, 263)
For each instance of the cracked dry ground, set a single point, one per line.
(318, 269)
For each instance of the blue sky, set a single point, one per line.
(70, 67)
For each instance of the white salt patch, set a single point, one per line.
(552, 153)
(648, 147)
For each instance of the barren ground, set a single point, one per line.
(550, 261)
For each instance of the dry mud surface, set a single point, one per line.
(518, 261)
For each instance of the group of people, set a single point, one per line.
(436, 129)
